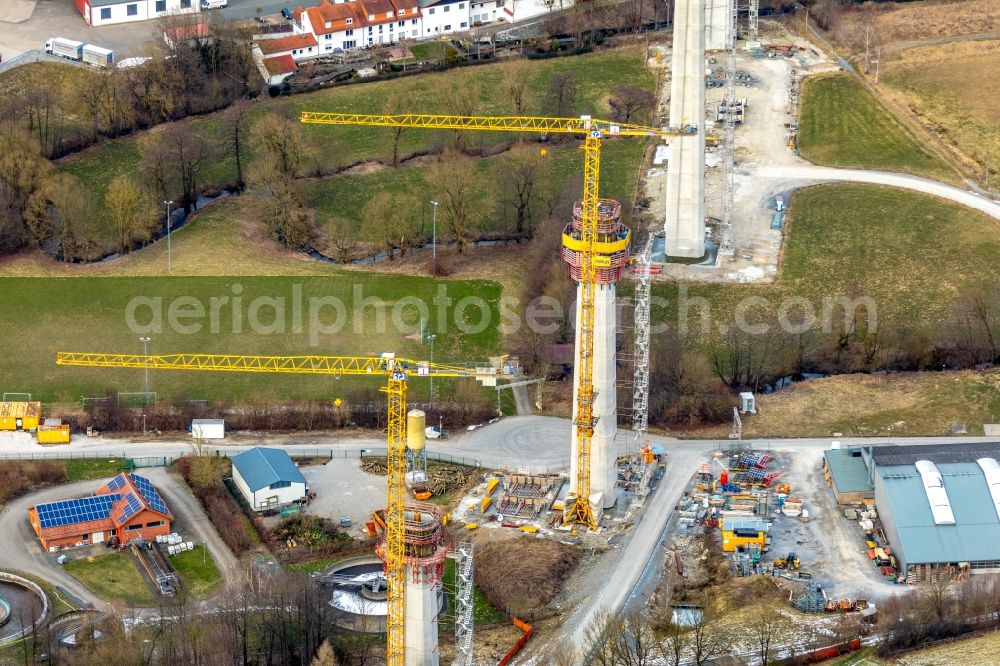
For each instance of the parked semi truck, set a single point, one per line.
(98, 56)
(65, 48)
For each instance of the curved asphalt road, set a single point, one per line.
(535, 443)
(811, 173)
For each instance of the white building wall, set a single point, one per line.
(285, 495)
(486, 12)
(144, 11)
(446, 18)
(242, 485)
(603, 451)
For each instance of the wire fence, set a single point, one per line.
(136, 462)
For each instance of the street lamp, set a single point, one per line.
(170, 265)
(434, 243)
(145, 361)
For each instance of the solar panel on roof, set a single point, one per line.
(84, 509)
(117, 482)
(132, 507)
(149, 493)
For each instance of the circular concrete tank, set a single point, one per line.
(359, 594)
(20, 608)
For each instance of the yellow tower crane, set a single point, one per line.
(387, 365)
(593, 131)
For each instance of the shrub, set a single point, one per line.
(17, 478)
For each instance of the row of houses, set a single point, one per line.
(334, 27)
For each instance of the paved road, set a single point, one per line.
(192, 522)
(809, 173)
(22, 551)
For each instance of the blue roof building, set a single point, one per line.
(268, 478)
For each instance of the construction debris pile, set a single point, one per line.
(442, 479)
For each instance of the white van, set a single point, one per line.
(213, 4)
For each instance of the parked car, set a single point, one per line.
(286, 13)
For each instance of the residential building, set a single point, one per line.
(488, 12)
(268, 478)
(107, 12)
(299, 47)
(188, 34)
(126, 508)
(359, 23)
(275, 70)
(442, 17)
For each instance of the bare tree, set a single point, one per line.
(459, 99)
(516, 77)
(768, 629)
(235, 138)
(627, 101)
(675, 643)
(175, 158)
(397, 103)
(452, 179)
(280, 142)
(131, 211)
(277, 205)
(521, 172)
(391, 222)
(707, 640)
(560, 100)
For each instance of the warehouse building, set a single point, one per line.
(938, 505)
(268, 479)
(126, 508)
(846, 470)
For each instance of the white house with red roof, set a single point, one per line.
(359, 23)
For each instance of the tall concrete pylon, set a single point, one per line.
(685, 223)
(613, 239)
(718, 37)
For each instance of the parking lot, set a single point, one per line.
(343, 490)
(25, 25)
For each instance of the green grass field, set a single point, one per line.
(843, 125)
(596, 74)
(81, 470)
(345, 196)
(91, 314)
(113, 578)
(199, 575)
(909, 252)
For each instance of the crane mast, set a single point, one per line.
(593, 131)
(393, 548)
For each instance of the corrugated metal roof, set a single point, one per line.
(974, 536)
(260, 467)
(966, 452)
(20, 409)
(849, 472)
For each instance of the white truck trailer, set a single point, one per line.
(98, 56)
(65, 48)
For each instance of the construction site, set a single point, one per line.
(633, 521)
